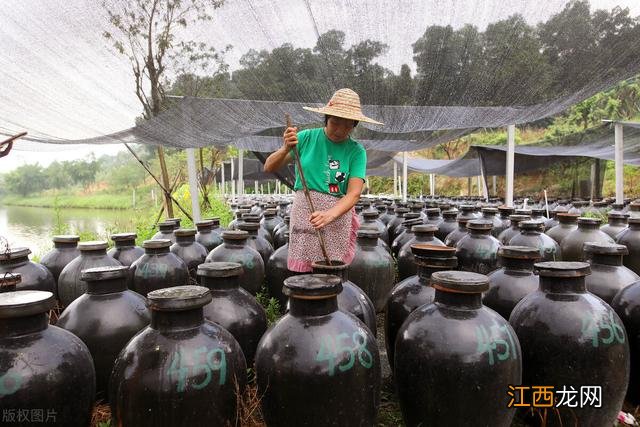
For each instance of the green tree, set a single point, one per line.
(26, 179)
(58, 175)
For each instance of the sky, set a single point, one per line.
(59, 77)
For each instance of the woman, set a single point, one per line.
(334, 166)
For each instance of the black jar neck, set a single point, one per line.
(125, 243)
(562, 285)
(633, 226)
(185, 240)
(156, 251)
(234, 244)
(176, 320)
(530, 232)
(588, 226)
(425, 272)
(220, 283)
(312, 307)
(618, 221)
(459, 301)
(611, 259)
(341, 273)
(424, 235)
(367, 241)
(66, 245)
(518, 265)
(205, 230)
(93, 253)
(17, 326)
(106, 286)
(167, 229)
(475, 232)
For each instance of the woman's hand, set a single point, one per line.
(290, 138)
(321, 218)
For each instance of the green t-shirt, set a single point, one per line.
(329, 165)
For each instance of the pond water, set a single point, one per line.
(34, 227)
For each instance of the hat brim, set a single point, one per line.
(343, 114)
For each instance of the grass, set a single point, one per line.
(88, 201)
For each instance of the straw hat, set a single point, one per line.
(344, 103)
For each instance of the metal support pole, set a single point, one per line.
(619, 160)
(224, 187)
(240, 172)
(395, 179)
(255, 184)
(193, 184)
(432, 184)
(511, 146)
(404, 176)
(494, 179)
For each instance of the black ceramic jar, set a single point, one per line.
(626, 304)
(188, 250)
(231, 307)
(352, 299)
(566, 224)
(608, 275)
(181, 369)
(276, 271)
(478, 250)
(44, 369)
(448, 224)
(34, 276)
(456, 235)
(505, 222)
(165, 231)
(105, 318)
(616, 222)
(514, 228)
(452, 341)
(532, 235)
(279, 238)
(158, 268)
(588, 230)
(65, 249)
(257, 241)
(416, 290)
(372, 268)
(318, 366)
(235, 249)
(206, 236)
(70, 283)
(125, 250)
(630, 237)
(571, 338)
(513, 281)
(423, 234)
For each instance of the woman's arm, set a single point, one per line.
(282, 156)
(321, 218)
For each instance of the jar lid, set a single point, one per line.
(174, 220)
(156, 244)
(215, 219)
(25, 303)
(312, 286)
(517, 218)
(523, 212)
(251, 218)
(635, 206)
(506, 209)
(463, 282)
(184, 232)
(207, 223)
(566, 217)
(119, 237)
(167, 225)
(179, 298)
(371, 214)
(489, 210)
(424, 228)
(519, 252)
(618, 215)
(441, 263)
(450, 214)
(467, 208)
(402, 210)
(104, 273)
(562, 269)
(531, 225)
(479, 224)
(411, 222)
(411, 215)
(66, 238)
(368, 233)
(13, 253)
(220, 269)
(335, 265)
(246, 206)
(248, 226)
(589, 221)
(433, 211)
(634, 221)
(235, 235)
(432, 251)
(94, 245)
(604, 248)
(270, 212)
(538, 211)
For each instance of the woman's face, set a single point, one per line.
(338, 129)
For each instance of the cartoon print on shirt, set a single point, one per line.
(340, 176)
(334, 164)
